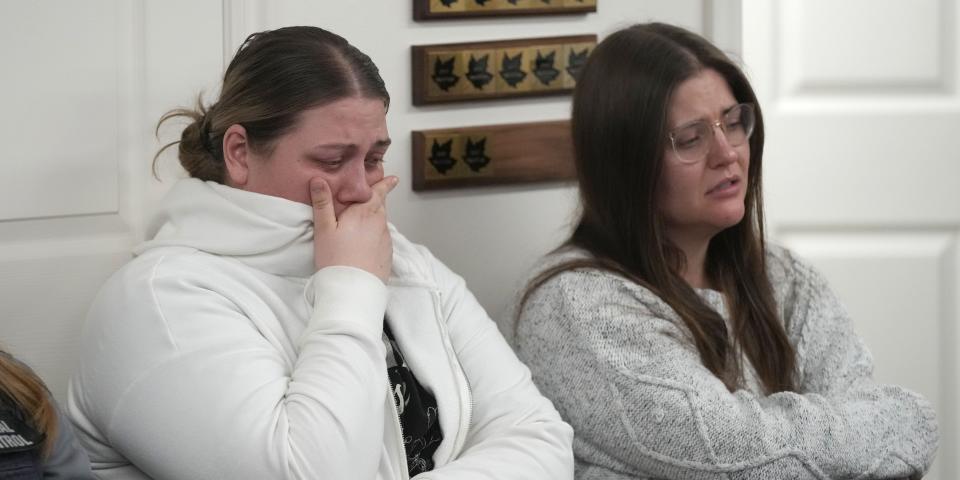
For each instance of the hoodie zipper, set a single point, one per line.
(404, 473)
(461, 380)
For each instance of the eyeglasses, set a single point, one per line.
(692, 142)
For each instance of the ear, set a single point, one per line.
(236, 156)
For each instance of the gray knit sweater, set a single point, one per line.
(615, 360)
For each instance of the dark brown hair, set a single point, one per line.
(274, 76)
(28, 393)
(619, 123)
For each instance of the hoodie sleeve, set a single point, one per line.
(515, 432)
(622, 371)
(189, 385)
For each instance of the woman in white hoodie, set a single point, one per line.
(275, 326)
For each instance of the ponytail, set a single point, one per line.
(200, 155)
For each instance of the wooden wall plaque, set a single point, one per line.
(458, 72)
(445, 9)
(492, 155)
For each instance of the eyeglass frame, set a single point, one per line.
(714, 124)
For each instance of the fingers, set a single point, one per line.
(381, 189)
(359, 236)
(324, 217)
(385, 186)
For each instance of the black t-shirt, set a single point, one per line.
(417, 407)
(19, 444)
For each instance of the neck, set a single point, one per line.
(695, 251)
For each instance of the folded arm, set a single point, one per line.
(621, 370)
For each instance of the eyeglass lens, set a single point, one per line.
(692, 142)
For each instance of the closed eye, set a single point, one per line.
(688, 137)
(374, 161)
(329, 163)
(733, 125)
(733, 118)
(689, 143)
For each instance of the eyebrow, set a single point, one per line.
(382, 143)
(702, 119)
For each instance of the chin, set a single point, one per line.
(730, 219)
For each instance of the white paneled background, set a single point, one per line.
(863, 177)
(862, 172)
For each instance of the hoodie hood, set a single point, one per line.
(271, 234)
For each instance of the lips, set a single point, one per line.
(724, 185)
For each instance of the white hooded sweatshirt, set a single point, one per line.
(218, 353)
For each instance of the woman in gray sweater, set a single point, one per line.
(676, 342)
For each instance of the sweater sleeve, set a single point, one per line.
(67, 459)
(623, 373)
(216, 398)
(834, 362)
(515, 432)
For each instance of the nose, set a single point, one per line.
(353, 184)
(721, 152)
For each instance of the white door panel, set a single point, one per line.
(60, 97)
(855, 46)
(64, 221)
(83, 84)
(869, 168)
(862, 175)
(44, 303)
